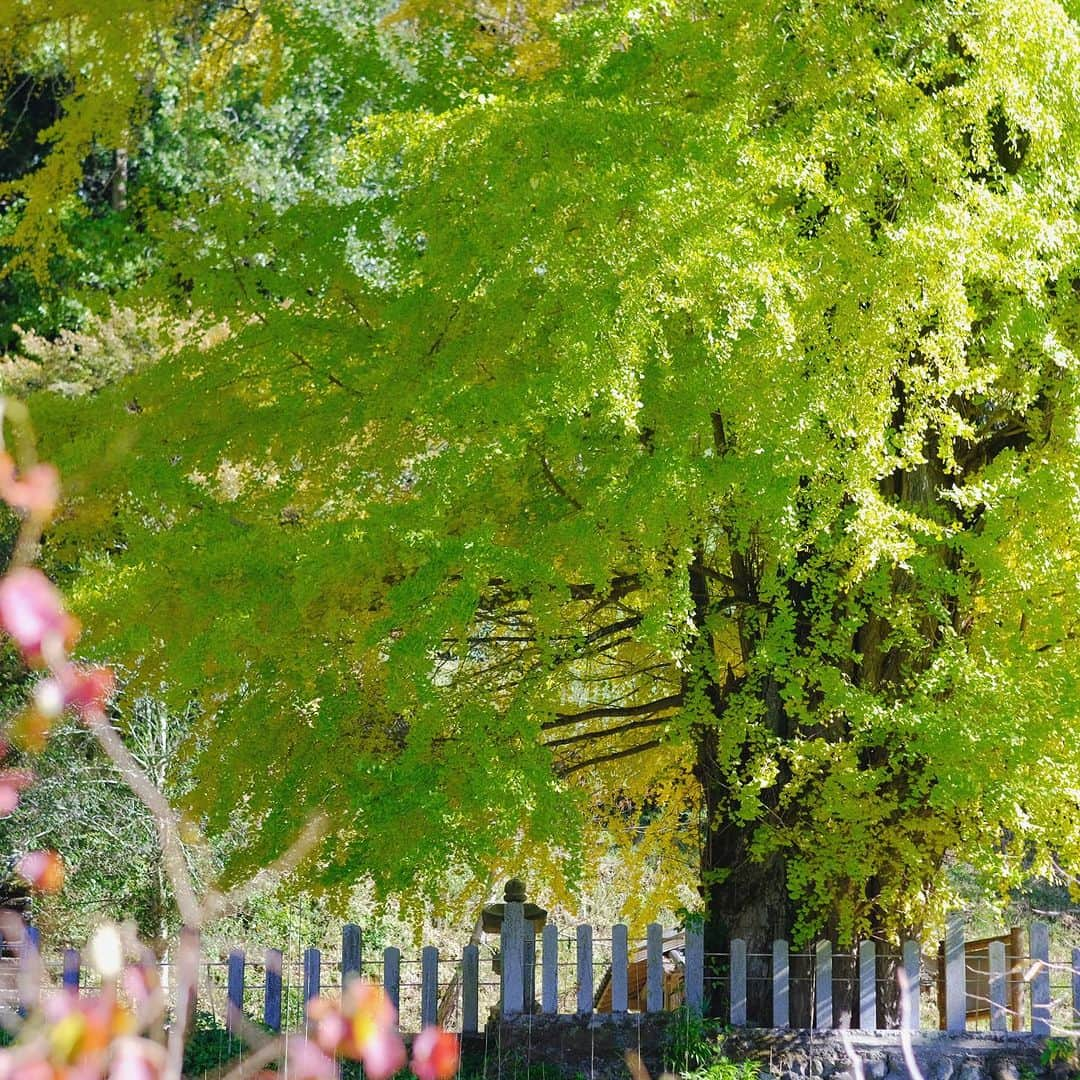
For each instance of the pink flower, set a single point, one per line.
(44, 870)
(36, 492)
(383, 1054)
(137, 1059)
(305, 1061)
(32, 612)
(72, 688)
(12, 781)
(434, 1054)
(374, 1037)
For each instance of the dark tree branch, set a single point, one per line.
(585, 736)
(578, 766)
(601, 711)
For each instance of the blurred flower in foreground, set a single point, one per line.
(36, 492)
(12, 781)
(44, 870)
(362, 1027)
(305, 1061)
(73, 688)
(434, 1054)
(32, 612)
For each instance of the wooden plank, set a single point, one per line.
(549, 992)
(391, 966)
(955, 974)
(234, 992)
(470, 989)
(429, 985)
(30, 970)
(513, 958)
(312, 974)
(584, 970)
(738, 982)
(72, 970)
(823, 1006)
(695, 967)
(272, 990)
(1076, 986)
(781, 984)
(998, 1013)
(1040, 981)
(867, 985)
(619, 968)
(912, 991)
(352, 966)
(654, 968)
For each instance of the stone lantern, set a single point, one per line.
(532, 919)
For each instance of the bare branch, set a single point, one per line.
(615, 755)
(601, 711)
(165, 819)
(586, 736)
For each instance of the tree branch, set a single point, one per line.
(585, 736)
(578, 766)
(601, 711)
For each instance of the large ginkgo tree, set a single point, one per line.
(660, 417)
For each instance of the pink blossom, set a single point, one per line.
(84, 691)
(307, 1062)
(44, 870)
(36, 492)
(12, 781)
(383, 1054)
(434, 1054)
(137, 1059)
(32, 612)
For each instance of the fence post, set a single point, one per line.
(272, 990)
(584, 970)
(470, 989)
(781, 984)
(429, 985)
(911, 991)
(867, 985)
(351, 956)
(30, 970)
(619, 968)
(997, 985)
(512, 947)
(738, 982)
(312, 974)
(955, 974)
(695, 966)
(391, 979)
(823, 1010)
(550, 987)
(235, 991)
(654, 968)
(1040, 983)
(72, 967)
(1076, 986)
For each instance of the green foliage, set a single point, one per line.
(708, 377)
(691, 1042)
(1059, 1050)
(210, 1046)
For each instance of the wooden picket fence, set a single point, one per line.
(256, 988)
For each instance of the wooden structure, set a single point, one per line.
(673, 961)
(977, 978)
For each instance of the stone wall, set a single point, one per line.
(595, 1048)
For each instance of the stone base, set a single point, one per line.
(595, 1048)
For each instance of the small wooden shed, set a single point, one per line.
(977, 964)
(674, 964)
